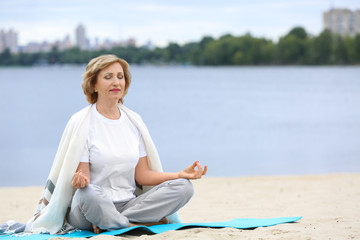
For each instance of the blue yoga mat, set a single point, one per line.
(240, 223)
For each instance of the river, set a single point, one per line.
(240, 121)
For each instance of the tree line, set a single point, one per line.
(295, 48)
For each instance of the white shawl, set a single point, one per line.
(56, 197)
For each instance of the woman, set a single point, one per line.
(115, 159)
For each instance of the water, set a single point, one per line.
(239, 121)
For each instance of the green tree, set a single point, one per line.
(292, 48)
(73, 55)
(221, 51)
(197, 55)
(349, 43)
(173, 52)
(339, 50)
(53, 56)
(352, 45)
(298, 32)
(6, 58)
(321, 48)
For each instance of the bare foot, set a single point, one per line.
(164, 221)
(149, 224)
(97, 230)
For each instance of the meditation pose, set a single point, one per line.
(117, 156)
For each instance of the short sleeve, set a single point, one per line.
(142, 149)
(85, 154)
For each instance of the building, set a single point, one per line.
(2, 44)
(357, 21)
(9, 40)
(35, 47)
(63, 44)
(80, 37)
(342, 21)
(131, 42)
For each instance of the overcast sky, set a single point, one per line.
(162, 21)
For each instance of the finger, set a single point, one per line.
(86, 181)
(199, 166)
(75, 178)
(197, 173)
(205, 170)
(76, 185)
(78, 177)
(194, 164)
(81, 181)
(78, 173)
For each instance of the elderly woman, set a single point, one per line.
(114, 161)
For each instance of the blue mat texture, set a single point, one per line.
(240, 223)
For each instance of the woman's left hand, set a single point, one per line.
(80, 180)
(192, 173)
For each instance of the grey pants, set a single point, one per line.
(90, 205)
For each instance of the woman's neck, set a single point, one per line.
(108, 109)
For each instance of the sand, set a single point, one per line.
(329, 204)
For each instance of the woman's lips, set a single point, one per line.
(115, 90)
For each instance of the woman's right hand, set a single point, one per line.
(80, 180)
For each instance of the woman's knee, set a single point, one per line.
(86, 194)
(185, 188)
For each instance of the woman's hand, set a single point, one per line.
(80, 180)
(192, 173)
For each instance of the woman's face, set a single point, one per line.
(110, 84)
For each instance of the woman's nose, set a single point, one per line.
(116, 81)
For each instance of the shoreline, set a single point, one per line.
(328, 203)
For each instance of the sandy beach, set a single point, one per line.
(329, 204)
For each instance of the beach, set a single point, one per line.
(329, 205)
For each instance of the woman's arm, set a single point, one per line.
(146, 177)
(82, 175)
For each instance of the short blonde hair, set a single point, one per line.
(92, 71)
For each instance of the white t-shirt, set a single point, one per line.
(113, 149)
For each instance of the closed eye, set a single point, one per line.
(109, 76)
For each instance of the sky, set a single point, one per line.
(162, 21)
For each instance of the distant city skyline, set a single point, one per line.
(9, 40)
(162, 21)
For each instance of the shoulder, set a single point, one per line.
(131, 114)
(79, 116)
